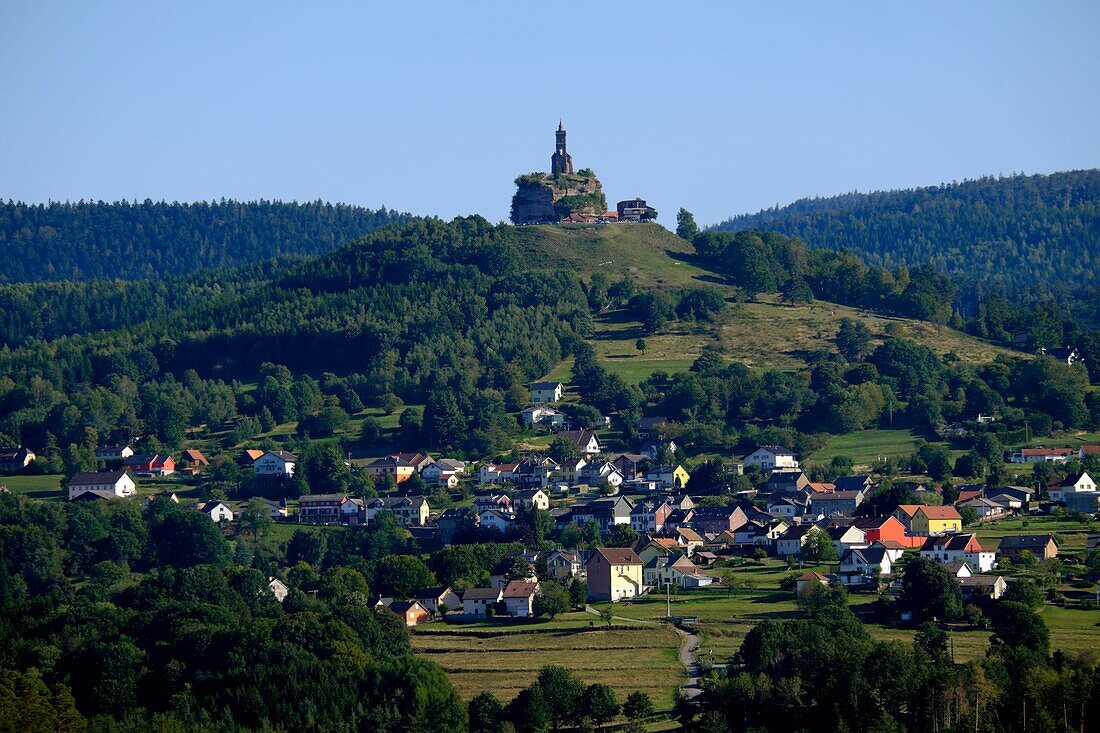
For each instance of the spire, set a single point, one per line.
(561, 127)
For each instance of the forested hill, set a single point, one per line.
(1013, 234)
(91, 240)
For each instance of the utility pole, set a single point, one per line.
(668, 601)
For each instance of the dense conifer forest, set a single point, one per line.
(1020, 236)
(92, 239)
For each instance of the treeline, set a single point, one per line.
(767, 262)
(96, 240)
(1018, 236)
(429, 312)
(118, 618)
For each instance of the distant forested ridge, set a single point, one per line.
(91, 240)
(1016, 236)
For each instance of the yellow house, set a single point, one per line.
(614, 573)
(929, 521)
(398, 469)
(668, 477)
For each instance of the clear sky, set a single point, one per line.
(434, 108)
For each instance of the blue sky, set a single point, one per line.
(435, 107)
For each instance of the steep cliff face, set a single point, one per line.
(545, 197)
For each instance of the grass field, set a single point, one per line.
(47, 486)
(626, 657)
(869, 447)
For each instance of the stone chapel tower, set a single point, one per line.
(561, 162)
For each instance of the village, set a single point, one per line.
(627, 523)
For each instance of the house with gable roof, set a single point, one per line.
(481, 601)
(1075, 483)
(929, 521)
(216, 510)
(519, 598)
(546, 392)
(952, 548)
(768, 457)
(1042, 546)
(858, 565)
(614, 573)
(586, 440)
(275, 463)
(117, 483)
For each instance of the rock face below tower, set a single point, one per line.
(546, 198)
(543, 198)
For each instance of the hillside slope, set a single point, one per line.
(763, 333)
(647, 253)
(1016, 234)
(90, 240)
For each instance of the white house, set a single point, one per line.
(790, 542)
(497, 474)
(1042, 455)
(768, 457)
(859, 563)
(542, 416)
(278, 589)
(586, 440)
(597, 474)
(437, 471)
(546, 391)
(955, 548)
(985, 508)
(275, 463)
(113, 452)
(118, 483)
(495, 519)
(519, 598)
(1073, 484)
(477, 601)
(217, 511)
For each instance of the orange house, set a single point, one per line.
(886, 530)
(397, 468)
(412, 612)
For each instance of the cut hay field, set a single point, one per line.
(626, 657)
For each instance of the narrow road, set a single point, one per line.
(688, 649)
(689, 645)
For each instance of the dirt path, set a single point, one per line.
(688, 649)
(689, 645)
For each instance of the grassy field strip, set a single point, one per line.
(628, 659)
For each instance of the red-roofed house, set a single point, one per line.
(155, 465)
(959, 548)
(1042, 455)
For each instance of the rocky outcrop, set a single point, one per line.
(543, 198)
